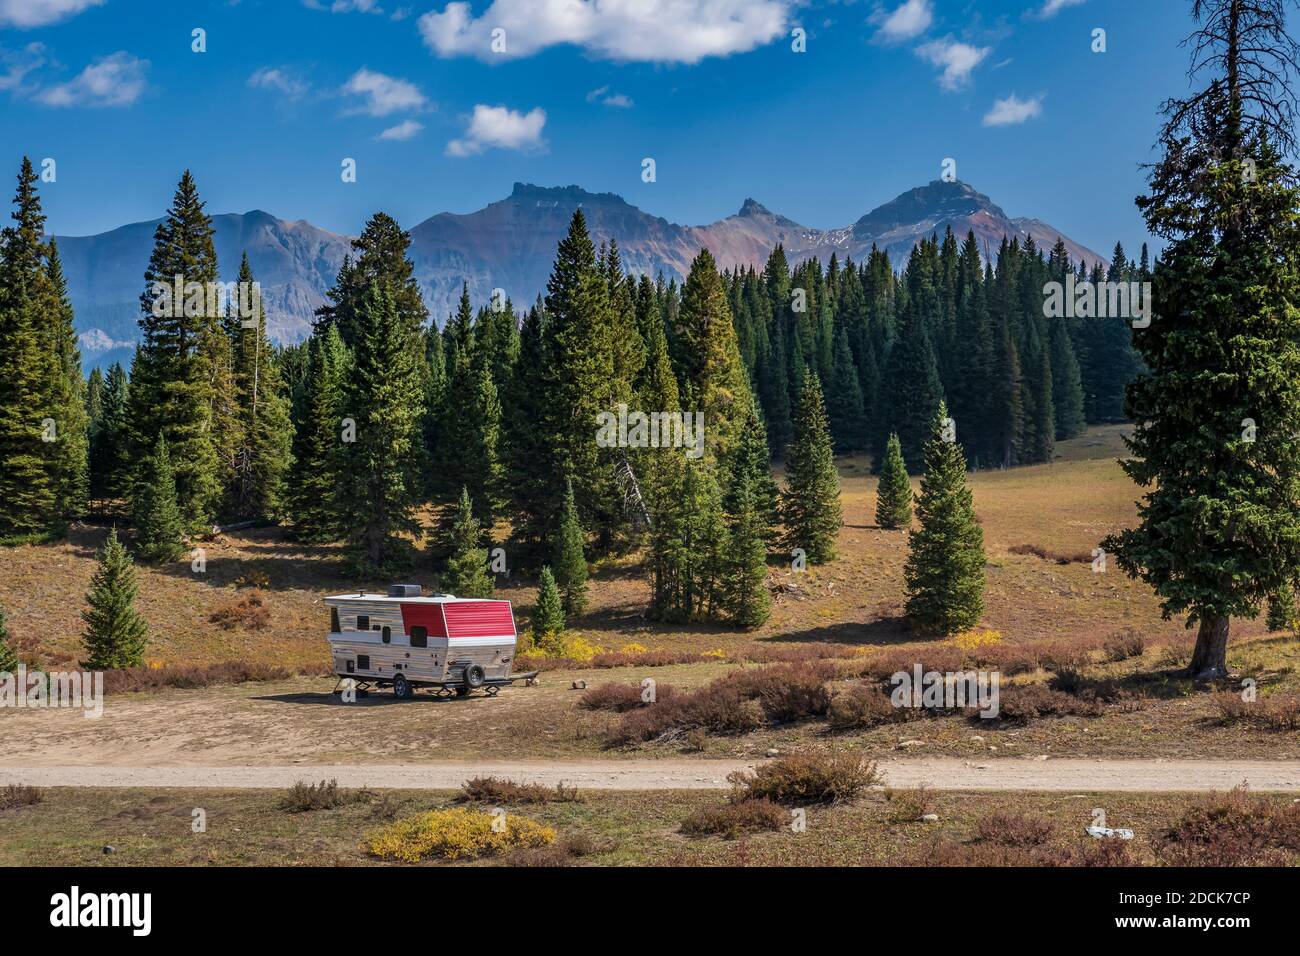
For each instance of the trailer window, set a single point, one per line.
(387, 634)
(363, 622)
(419, 636)
(363, 662)
(334, 620)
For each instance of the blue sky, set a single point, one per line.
(582, 93)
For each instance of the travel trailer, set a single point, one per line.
(404, 641)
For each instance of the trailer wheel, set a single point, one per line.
(402, 688)
(474, 676)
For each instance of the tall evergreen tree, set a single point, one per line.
(569, 561)
(894, 489)
(310, 495)
(109, 469)
(177, 379)
(263, 409)
(467, 561)
(548, 612)
(69, 452)
(911, 390)
(28, 491)
(1218, 528)
(116, 634)
(811, 503)
(159, 523)
(945, 568)
(749, 603)
(379, 477)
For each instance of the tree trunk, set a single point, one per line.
(1210, 658)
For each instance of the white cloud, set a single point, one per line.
(499, 127)
(1013, 110)
(403, 130)
(114, 80)
(606, 98)
(14, 67)
(279, 80)
(957, 59)
(383, 95)
(1052, 7)
(670, 31)
(908, 20)
(38, 13)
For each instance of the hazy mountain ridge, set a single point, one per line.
(510, 244)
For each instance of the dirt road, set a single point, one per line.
(940, 774)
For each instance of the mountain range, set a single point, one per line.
(510, 244)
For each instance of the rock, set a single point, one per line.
(109, 849)
(978, 740)
(930, 818)
(579, 685)
(773, 752)
(1041, 757)
(908, 744)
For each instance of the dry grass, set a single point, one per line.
(19, 795)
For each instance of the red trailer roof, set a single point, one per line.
(463, 618)
(479, 619)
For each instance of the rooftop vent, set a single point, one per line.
(403, 590)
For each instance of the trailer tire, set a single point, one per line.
(474, 676)
(402, 688)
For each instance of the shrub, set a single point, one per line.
(861, 706)
(982, 854)
(730, 820)
(623, 697)
(19, 795)
(304, 797)
(1233, 829)
(569, 645)
(152, 678)
(803, 778)
(1122, 646)
(1025, 702)
(1275, 712)
(455, 834)
(1014, 829)
(250, 612)
(495, 790)
(786, 693)
(910, 805)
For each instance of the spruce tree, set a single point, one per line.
(911, 390)
(8, 657)
(1067, 387)
(179, 377)
(712, 369)
(467, 563)
(1282, 609)
(263, 410)
(750, 469)
(844, 405)
(749, 603)
(569, 561)
(380, 481)
(159, 524)
(548, 612)
(893, 490)
(811, 503)
(68, 453)
(317, 442)
(116, 634)
(109, 468)
(28, 490)
(1218, 529)
(945, 568)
